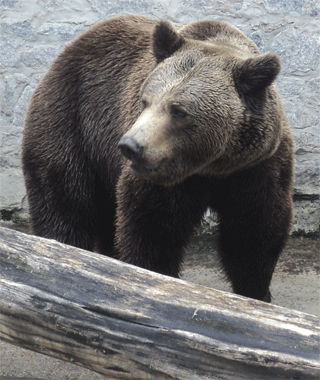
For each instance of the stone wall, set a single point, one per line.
(33, 32)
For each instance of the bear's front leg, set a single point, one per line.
(155, 223)
(255, 221)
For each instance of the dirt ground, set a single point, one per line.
(295, 285)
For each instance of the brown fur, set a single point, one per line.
(198, 120)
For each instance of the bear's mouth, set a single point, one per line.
(163, 173)
(143, 170)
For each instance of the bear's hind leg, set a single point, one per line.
(58, 213)
(60, 222)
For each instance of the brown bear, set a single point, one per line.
(140, 126)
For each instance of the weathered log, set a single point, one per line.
(129, 323)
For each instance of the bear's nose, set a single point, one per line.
(131, 149)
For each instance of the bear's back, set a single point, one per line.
(221, 33)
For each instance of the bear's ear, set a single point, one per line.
(165, 41)
(255, 74)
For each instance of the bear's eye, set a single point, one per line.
(177, 112)
(143, 104)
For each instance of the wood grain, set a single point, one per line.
(129, 323)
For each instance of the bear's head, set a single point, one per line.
(208, 108)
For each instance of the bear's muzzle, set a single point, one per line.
(131, 149)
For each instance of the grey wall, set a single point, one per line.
(34, 31)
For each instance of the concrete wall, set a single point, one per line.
(34, 31)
